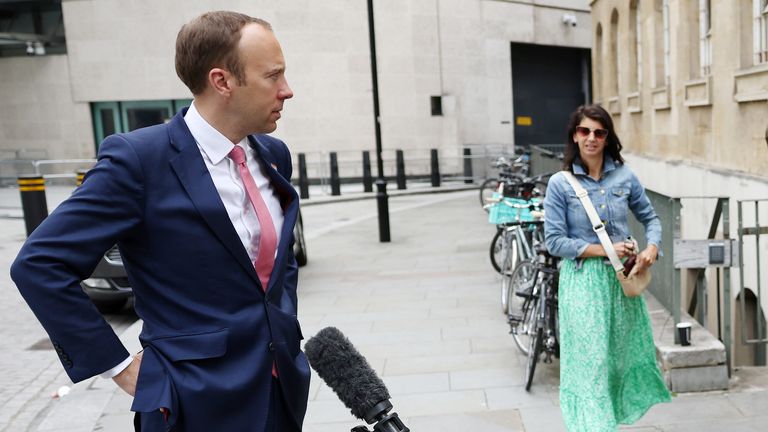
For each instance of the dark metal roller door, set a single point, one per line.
(548, 83)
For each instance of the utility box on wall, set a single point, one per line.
(705, 253)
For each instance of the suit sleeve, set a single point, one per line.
(66, 248)
(292, 269)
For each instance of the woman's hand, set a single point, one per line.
(623, 249)
(647, 257)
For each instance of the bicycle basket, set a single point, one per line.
(501, 213)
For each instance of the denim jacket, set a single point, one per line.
(567, 229)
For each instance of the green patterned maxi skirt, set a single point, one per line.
(608, 371)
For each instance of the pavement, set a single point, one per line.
(423, 309)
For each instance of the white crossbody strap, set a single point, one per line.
(597, 224)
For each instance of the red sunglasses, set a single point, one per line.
(585, 131)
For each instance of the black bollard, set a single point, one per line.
(367, 177)
(435, 168)
(400, 169)
(382, 204)
(33, 203)
(468, 166)
(335, 182)
(80, 176)
(303, 179)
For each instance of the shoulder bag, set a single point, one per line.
(633, 282)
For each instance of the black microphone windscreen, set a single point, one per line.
(345, 371)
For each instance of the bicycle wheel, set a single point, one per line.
(487, 189)
(509, 263)
(534, 349)
(521, 307)
(497, 250)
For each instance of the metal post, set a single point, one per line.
(759, 347)
(303, 179)
(335, 181)
(382, 199)
(467, 166)
(33, 203)
(400, 169)
(367, 177)
(435, 165)
(727, 287)
(676, 207)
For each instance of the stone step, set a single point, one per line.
(699, 366)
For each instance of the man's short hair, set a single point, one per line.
(210, 41)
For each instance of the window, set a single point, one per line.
(118, 117)
(31, 28)
(760, 31)
(661, 43)
(705, 37)
(665, 15)
(598, 62)
(636, 69)
(613, 55)
(436, 105)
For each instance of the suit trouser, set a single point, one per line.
(278, 418)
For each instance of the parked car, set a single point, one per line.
(109, 289)
(108, 286)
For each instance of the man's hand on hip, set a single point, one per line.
(126, 379)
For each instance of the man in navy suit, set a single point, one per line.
(203, 213)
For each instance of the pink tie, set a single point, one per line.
(265, 259)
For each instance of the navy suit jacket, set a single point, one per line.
(210, 333)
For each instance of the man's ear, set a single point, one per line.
(219, 80)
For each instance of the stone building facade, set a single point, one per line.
(687, 84)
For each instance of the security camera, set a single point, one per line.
(570, 20)
(30, 49)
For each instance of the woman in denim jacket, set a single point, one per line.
(608, 371)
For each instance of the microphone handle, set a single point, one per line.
(390, 423)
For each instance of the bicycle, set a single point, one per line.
(519, 226)
(520, 240)
(511, 173)
(535, 329)
(523, 241)
(529, 195)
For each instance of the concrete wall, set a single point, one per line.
(458, 49)
(38, 117)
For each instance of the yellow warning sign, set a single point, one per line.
(524, 121)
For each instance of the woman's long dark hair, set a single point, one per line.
(600, 115)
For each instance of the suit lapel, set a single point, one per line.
(190, 168)
(289, 201)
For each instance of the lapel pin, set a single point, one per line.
(274, 166)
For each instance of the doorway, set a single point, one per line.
(548, 83)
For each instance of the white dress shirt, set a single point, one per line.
(214, 147)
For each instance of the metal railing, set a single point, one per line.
(665, 285)
(10, 169)
(751, 260)
(758, 265)
(47, 168)
(546, 158)
(50, 169)
(417, 165)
